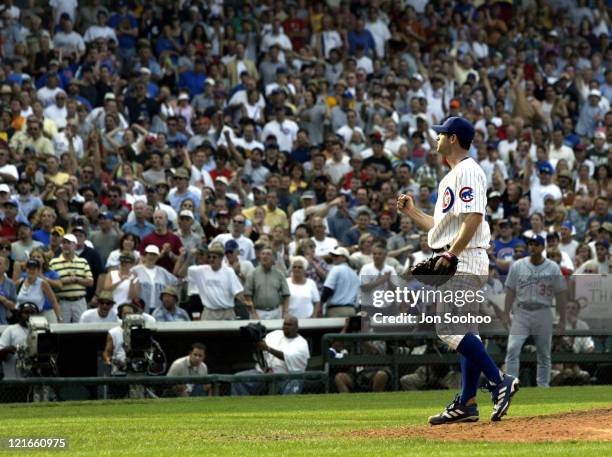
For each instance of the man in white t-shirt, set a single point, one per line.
(246, 246)
(285, 130)
(567, 243)
(379, 30)
(217, 285)
(103, 312)
(375, 275)
(558, 150)
(284, 351)
(510, 144)
(323, 244)
(540, 186)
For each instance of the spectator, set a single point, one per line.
(21, 249)
(191, 365)
(169, 311)
(167, 242)
(285, 351)
(504, 246)
(121, 281)
(151, 279)
(7, 292)
(242, 268)
(323, 244)
(370, 378)
(76, 276)
(404, 242)
(304, 298)
(33, 288)
(246, 248)
(140, 226)
(218, 286)
(186, 233)
(104, 312)
(601, 263)
(50, 276)
(127, 243)
(341, 286)
(91, 255)
(44, 219)
(266, 288)
(375, 275)
(106, 238)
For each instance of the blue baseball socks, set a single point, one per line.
(474, 360)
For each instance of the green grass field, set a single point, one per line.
(309, 425)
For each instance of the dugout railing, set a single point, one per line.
(103, 384)
(396, 355)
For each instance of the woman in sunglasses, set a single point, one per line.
(120, 282)
(35, 289)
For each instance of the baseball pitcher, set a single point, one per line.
(459, 236)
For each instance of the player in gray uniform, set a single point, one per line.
(533, 282)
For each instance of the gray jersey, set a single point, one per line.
(535, 285)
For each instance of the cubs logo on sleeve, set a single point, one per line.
(471, 193)
(466, 194)
(448, 199)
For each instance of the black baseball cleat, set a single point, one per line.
(455, 412)
(502, 394)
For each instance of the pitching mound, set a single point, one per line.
(585, 425)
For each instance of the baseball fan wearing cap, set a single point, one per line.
(76, 277)
(532, 283)
(341, 286)
(540, 184)
(169, 311)
(104, 312)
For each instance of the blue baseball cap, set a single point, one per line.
(567, 225)
(347, 94)
(546, 167)
(536, 239)
(231, 246)
(457, 126)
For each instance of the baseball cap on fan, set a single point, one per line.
(457, 126)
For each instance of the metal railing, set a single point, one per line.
(395, 355)
(215, 380)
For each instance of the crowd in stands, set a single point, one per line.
(214, 160)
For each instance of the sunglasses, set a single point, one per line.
(105, 303)
(8, 247)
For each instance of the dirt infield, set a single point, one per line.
(584, 425)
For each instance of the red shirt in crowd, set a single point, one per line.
(159, 241)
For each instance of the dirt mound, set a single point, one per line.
(584, 425)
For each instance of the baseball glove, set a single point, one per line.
(427, 273)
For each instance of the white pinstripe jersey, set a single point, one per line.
(462, 191)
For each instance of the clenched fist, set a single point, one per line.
(405, 203)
